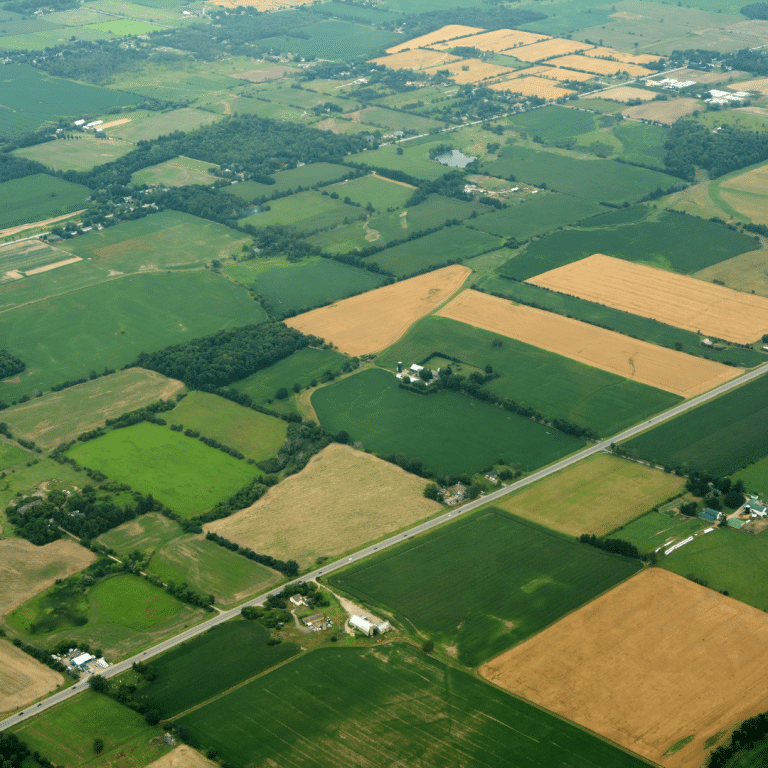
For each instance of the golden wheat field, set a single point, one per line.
(759, 85)
(600, 66)
(22, 678)
(472, 71)
(415, 59)
(556, 46)
(498, 40)
(533, 86)
(627, 58)
(448, 32)
(623, 94)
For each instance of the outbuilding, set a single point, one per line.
(362, 624)
(82, 659)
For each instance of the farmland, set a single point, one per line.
(718, 682)
(345, 693)
(666, 112)
(531, 577)
(623, 94)
(11, 455)
(340, 500)
(143, 456)
(254, 434)
(75, 154)
(721, 436)
(375, 412)
(368, 323)
(39, 197)
(630, 358)
(557, 387)
(755, 477)
(595, 496)
(449, 32)
(658, 529)
(178, 172)
(140, 128)
(22, 678)
(144, 534)
(380, 193)
(555, 123)
(62, 416)
(415, 160)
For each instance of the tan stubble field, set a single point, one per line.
(22, 678)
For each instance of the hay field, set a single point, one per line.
(660, 367)
(449, 32)
(476, 71)
(22, 678)
(677, 300)
(546, 49)
(594, 496)
(666, 112)
(601, 66)
(372, 321)
(26, 569)
(183, 757)
(623, 94)
(415, 59)
(759, 85)
(753, 182)
(498, 40)
(340, 500)
(655, 660)
(533, 86)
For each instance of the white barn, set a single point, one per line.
(362, 624)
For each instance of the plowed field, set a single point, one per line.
(415, 59)
(374, 320)
(601, 66)
(22, 678)
(677, 300)
(548, 48)
(438, 36)
(634, 359)
(652, 662)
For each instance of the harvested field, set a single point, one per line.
(533, 86)
(26, 569)
(183, 757)
(637, 360)
(498, 40)
(759, 85)
(449, 32)
(416, 59)
(686, 661)
(22, 678)
(626, 58)
(677, 300)
(476, 71)
(601, 66)
(623, 94)
(342, 499)
(372, 321)
(666, 112)
(754, 182)
(546, 49)
(561, 74)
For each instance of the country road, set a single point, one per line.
(199, 629)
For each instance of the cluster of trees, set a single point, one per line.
(288, 568)
(209, 441)
(302, 442)
(449, 185)
(226, 356)
(312, 595)
(616, 546)
(12, 167)
(10, 365)
(752, 11)
(14, 753)
(188, 595)
(43, 656)
(749, 734)
(715, 491)
(745, 60)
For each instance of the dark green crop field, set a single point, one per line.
(389, 706)
(553, 123)
(642, 143)
(721, 436)
(485, 583)
(39, 197)
(557, 387)
(451, 433)
(664, 243)
(199, 669)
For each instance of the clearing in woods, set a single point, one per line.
(595, 496)
(26, 569)
(677, 300)
(22, 678)
(660, 367)
(657, 631)
(372, 321)
(342, 499)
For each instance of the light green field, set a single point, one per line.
(414, 161)
(654, 530)
(370, 189)
(755, 478)
(144, 127)
(254, 434)
(80, 154)
(39, 197)
(11, 455)
(181, 472)
(145, 534)
(123, 27)
(179, 172)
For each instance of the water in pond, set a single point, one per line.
(455, 159)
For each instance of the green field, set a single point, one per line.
(370, 189)
(39, 197)
(305, 176)
(596, 180)
(553, 123)
(181, 472)
(642, 143)
(386, 419)
(755, 478)
(655, 529)
(721, 436)
(153, 124)
(529, 578)
(557, 387)
(65, 734)
(664, 243)
(623, 322)
(115, 321)
(211, 569)
(79, 154)
(11, 454)
(198, 670)
(124, 27)
(391, 706)
(254, 434)
(178, 172)
(415, 159)
(398, 121)
(145, 534)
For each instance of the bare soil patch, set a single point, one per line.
(22, 678)
(666, 112)
(660, 367)
(26, 569)
(651, 662)
(678, 300)
(623, 94)
(392, 181)
(183, 757)
(115, 123)
(449, 32)
(340, 500)
(43, 223)
(49, 267)
(372, 321)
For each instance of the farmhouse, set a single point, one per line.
(298, 600)
(362, 624)
(753, 508)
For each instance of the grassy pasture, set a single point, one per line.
(11, 454)
(379, 193)
(306, 211)
(530, 578)
(386, 419)
(61, 416)
(755, 477)
(554, 385)
(415, 159)
(655, 529)
(197, 670)
(254, 434)
(595, 180)
(154, 124)
(641, 143)
(145, 534)
(39, 197)
(124, 27)
(721, 436)
(211, 569)
(116, 321)
(398, 121)
(553, 123)
(75, 154)
(664, 243)
(391, 705)
(183, 473)
(178, 172)
(307, 176)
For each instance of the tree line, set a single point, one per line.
(751, 733)
(287, 568)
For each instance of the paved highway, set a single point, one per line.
(188, 634)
